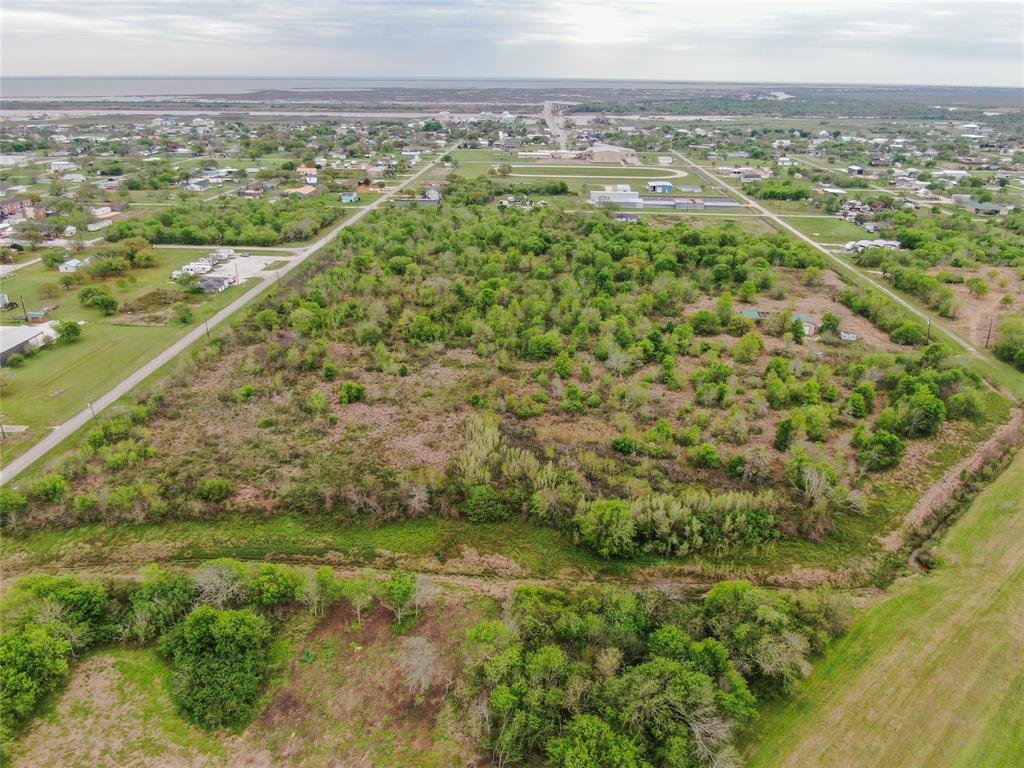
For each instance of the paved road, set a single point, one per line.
(76, 422)
(835, 259)
(554, 127)
(10, 269)
(275, 248)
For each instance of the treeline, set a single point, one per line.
(605, 677)
(232, 222)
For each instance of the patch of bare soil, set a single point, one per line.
(345, 703)
(97, 725)
(939, 493)
(978, 315)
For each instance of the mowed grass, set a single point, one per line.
(931, 676)
(828, 229)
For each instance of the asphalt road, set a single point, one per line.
(832, 257)
(76, 422)
(552, 120)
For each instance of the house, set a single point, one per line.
(810, 327)
(303, 191)
(863, 245)
(616, 194)
(214, 284)
(73, 265)
(198, 185)
(847, 335)
(660, 186)
(62, 166)
(38, 316)
(96, 226)
(350, 197)
(983, 209)
(73, 178)
(17, 340)
(609, 153)
(14, 207)
(631, 218)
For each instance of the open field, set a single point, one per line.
(931, 675)
(827, 229)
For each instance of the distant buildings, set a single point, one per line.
(609, 153)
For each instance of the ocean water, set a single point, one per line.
(143, 88)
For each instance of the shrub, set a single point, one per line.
(704, 455)
(215, 490)
(12, 505)
(68, 331)
(484, 505)
(32, 662)
(608, 528)
(883, 450)
(543, 346)
(351, 392)
(49, 489)
(220, 660)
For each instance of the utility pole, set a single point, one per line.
(24, 311)
(989, 334)
(929, 329)
(93, 410)
(206, 324)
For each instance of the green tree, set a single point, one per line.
(68, 331)
(607, 526)
(589, 742)
(220, 660)
(398, 594)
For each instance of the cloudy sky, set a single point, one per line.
(873, 41)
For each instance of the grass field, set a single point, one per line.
(827, 229)
(931, 676)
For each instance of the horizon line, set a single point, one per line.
(498, 78)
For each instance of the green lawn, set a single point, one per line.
(931, 676)
(828, 229)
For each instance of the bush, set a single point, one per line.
(220, 659)
(32, 662)
(156, 606)
(49, 489)
(12, 505)
(608, 528)
(351, 392)
(484, 505)
(704, 455)
(215, 490)
(68, 331)
(883, 450)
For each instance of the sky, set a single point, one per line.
(934, 42)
